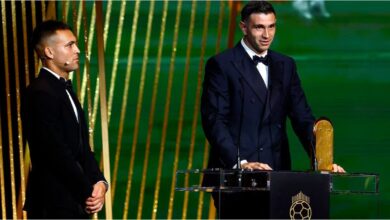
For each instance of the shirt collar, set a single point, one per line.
(52, 72)
(250, 52)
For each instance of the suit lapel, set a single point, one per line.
(247, 69)
(275, 71)
(60, 90)
(76, 102)
(70, 107)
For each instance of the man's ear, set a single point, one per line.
(243, 27)
(48, 53)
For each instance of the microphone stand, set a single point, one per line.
(313, 149)
(239, 168)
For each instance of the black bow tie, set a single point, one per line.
(67, 83)
(264, 60)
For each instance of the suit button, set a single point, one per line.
(261, 149)
(252, 101)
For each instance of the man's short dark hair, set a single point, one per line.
(46, 29)
(256, 7)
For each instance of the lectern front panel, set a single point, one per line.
(297, 195)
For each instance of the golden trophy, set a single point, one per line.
(323, 132)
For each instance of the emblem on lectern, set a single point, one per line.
(300, 207)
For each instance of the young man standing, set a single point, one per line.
(65, 180)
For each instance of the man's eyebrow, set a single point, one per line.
(71, 42)
(263, 25)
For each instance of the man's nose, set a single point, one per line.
(76, 49)
(266, 33)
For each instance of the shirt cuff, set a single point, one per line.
(242, 162)
(105, 184)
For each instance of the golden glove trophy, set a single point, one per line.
(323, 131)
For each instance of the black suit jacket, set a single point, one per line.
(238, 109)
(64, 169)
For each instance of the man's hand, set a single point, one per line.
(255, 166)
(95, 202)
(338, 169)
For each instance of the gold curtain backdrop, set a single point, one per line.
(139, 82)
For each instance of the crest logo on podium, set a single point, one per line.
(300, 207)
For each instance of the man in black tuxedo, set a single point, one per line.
(65, 180)
(248, 93)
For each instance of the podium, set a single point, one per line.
(287, 194)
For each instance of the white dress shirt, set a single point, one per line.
(263, 70)
(70, 97)
(261, 67)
